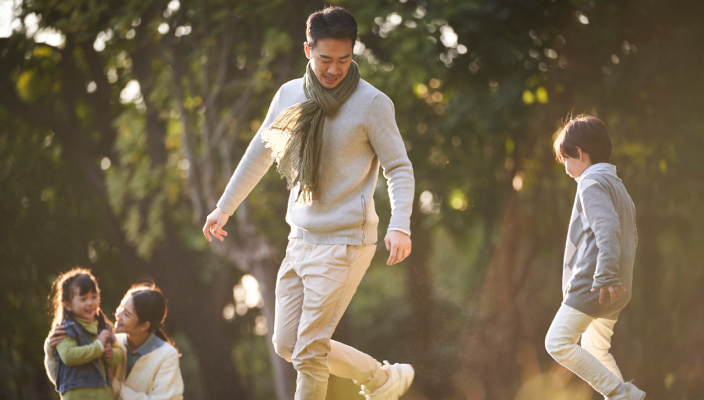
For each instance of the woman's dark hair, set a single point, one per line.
(150, 306)
(331, 23)
(62, 291)
(589, 134)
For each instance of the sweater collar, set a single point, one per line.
(90, 327)
(152, 343)
(606, 168)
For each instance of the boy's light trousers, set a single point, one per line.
(592, 361)
(314, 287)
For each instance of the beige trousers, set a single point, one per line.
(314, 287)
(592, 361)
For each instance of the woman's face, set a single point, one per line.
(84, 306)
(126, 320)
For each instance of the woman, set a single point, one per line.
(150, 368)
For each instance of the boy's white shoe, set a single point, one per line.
(400, 379)
(630, 392)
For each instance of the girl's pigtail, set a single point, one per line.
(102, 324)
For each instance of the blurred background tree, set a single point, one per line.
(121, 122)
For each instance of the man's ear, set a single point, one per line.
(580, 154)
(306, 48)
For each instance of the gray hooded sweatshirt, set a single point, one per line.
(601, 243)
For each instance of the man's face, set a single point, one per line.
(330, 60)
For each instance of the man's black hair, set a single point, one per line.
(331, 23)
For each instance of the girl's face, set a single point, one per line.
(84, 306)
(126, 320)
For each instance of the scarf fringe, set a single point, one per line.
(296, 136)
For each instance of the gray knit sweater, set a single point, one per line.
(361, 136)
(601, 243)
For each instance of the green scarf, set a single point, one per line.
(296, 136)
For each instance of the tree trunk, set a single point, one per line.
(419, 294)
(650, 274)
(490, 334)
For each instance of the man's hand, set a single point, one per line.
(108, 352)
(213, 225)
(399, 246)
(56, 336)
(613, 293)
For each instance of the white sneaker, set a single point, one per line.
(400, 379)
(630, 392)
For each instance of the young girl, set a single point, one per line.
(81, 358)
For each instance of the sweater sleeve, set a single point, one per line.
(602, 217)
(117, 356)
(254, 164)
(398, 171)
(72, 354)
(167, 384)
(49, 361)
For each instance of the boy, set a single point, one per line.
(601, 247)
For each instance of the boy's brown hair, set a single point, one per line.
(586, 132)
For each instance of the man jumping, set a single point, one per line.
(328, 132)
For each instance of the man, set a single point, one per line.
(328, 132)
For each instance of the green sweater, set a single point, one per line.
(72, 354)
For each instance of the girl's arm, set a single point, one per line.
(167, 385)
(72, 354)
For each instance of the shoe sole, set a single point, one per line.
(411, 373)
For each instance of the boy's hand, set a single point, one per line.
(399, 246)
(56, 336)
(108, 352)
(214, 223)
(613, 293)
(103, 337)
